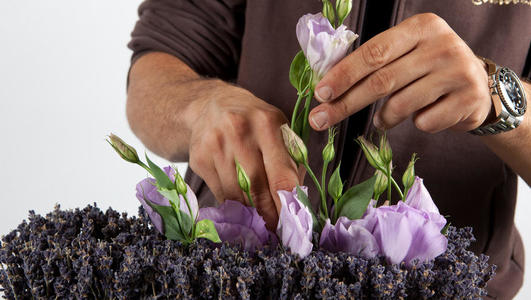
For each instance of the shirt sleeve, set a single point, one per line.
(204, 34)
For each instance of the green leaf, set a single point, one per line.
(354, 202)
(306, 201)
(170, 195)
(206, 229)
(335, 185)
(186, 223)
(444, 231)
(162, 179)
(297, 71)
(172, 231)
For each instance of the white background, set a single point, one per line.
(63, 66)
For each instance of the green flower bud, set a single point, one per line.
(329, 151)
(381, 184)
(180, 185)
(385, 149)
(343, 8)
(243, 179)
(328, 12)
(409, 175)
(371, 153)
(296, 148)
(127, 152)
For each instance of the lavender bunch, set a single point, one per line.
(91, 254)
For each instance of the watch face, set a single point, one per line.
(511, 92)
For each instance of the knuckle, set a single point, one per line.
(283, 182)
(238, 124)
(432, 20)
(425, 125)
(393, 111)
(471, 122)
(374, 55)
(381, 83)
(270, 118)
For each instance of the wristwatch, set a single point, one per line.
(508, 98)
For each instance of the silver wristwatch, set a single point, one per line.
(508, 98)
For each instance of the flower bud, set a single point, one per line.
(127, 152)
(371, 153)
(343, 8)
(243, 179)
(296, 148)
(409, 175)
(328, 12)
(385, 149)
(381, 184)
(180, 185)
(329, 151)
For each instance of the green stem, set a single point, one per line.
(306, 124)
(397, 188)
(389, 182)
(318, 185)
(323, 181)
(296, 110)
(191, 214)
(250, 198)
(143, 165)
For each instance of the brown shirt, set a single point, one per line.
(252, 44)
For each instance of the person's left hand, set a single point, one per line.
(423, 65)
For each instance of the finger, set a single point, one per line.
(203, 166)
(383, 82)
(226, 170)
(412, 98)
(281, 170)
(369, 57)
(262, 198)
(459, 110)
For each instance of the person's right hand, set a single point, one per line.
(236, 124)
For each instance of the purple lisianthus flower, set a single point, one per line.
(147, 189)
(350, 236)
(239, 224)
(418, 197)
(323, 45)
(295, 223)
(405, 232)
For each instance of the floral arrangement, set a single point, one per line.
(361, 248)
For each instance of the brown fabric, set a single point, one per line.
(253, 42)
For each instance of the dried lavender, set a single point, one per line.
(91, 254)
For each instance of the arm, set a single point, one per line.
(514, 147)
(181, 116)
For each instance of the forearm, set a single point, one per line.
(514, 147)
(165, 98)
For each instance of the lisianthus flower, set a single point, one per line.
(239, 224)
(323, 45)
(418, 197)
(405, 232)
(147, 190)
(350, 236)
(295, 223)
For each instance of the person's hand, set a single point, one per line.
(239, 125)
(423, 65)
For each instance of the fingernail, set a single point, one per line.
(377, 122)
(323, 94)
(319, 119)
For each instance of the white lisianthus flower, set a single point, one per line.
(323, 45)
